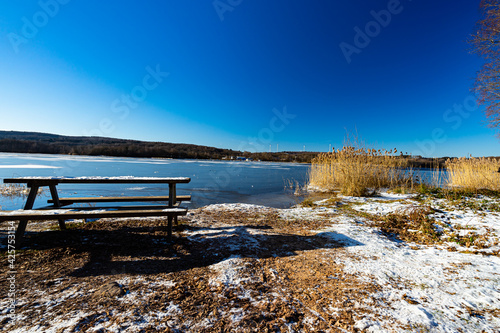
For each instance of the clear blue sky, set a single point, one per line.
(78, 67)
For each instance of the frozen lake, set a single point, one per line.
(260, 183)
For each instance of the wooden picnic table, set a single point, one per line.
(58, 209)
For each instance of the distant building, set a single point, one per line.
(241, 158)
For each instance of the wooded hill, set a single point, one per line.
(44, 143)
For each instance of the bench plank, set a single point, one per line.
(68, 214)
(65, 201)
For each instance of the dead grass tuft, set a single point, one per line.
(411, 225)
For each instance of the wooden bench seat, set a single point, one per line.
(61, 214)
(67, 214)
(70, 201)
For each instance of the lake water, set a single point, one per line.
(260, 183)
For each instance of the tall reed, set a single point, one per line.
(359, 171)
(473, 173)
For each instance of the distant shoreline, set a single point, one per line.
(413, 162)
(44, 143)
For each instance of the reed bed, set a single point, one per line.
(473, 173)
(359, 171)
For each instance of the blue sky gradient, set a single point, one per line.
(246, 74)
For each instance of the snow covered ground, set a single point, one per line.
(440, 288)
(427, 287)
(449, 286)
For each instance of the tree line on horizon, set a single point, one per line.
(43, 143)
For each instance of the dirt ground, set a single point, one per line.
(224, 271)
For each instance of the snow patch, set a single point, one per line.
(227, 272)
(28, 166)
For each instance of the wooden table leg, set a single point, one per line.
(169, 228)
(172, 195)
(55, 197)
(31, 197)
(172, 200)
(21, 227)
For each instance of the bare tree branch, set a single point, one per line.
(485, 41)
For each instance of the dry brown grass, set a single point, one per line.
(359, 171)
(15, 190)
(411, 225)
(474, 173)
